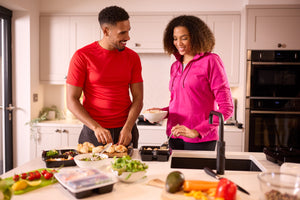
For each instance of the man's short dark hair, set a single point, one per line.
(112, 15)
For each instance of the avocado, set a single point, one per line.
(174, 181)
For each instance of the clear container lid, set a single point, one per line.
(82, 179)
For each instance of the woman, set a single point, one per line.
(198, 85)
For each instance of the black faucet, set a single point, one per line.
(221, 142)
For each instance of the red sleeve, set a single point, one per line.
(137, 69)
(77, 70)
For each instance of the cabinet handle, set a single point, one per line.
(58, 131)
(65, 131)
(137, 45)
(279, 45)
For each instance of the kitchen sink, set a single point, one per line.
(234, 163)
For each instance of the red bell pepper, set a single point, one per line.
(226, 190)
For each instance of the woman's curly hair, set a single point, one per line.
(202, 39)
(112, 15)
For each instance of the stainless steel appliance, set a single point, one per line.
(272, 99)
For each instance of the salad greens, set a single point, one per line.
(126, 164)
(52, 153)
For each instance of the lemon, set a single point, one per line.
(19, 185)
(34, 183)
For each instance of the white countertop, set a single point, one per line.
(139, 190)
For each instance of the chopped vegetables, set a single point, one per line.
(198, 185)
(126, 164)
(52, 153)
(93, 158)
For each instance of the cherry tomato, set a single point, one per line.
(53, 171)
(48, 175)
(31, 176)
(37, 175)
(44, 171)
(23, 175)
(16, 177)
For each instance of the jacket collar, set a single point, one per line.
(196, 57)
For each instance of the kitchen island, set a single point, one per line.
(140, 190)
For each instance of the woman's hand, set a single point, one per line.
(184, 131)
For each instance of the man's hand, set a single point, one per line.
(184, 131)
(125, 137)
(103, 135)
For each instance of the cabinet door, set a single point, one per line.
(84, 30)
(50, 138)
(153, 137)
(233, 140)
(146, 34)
(226, 29)
(273, 28)
(54, 48)
(73, 135)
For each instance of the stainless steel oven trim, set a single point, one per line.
(248, 79)
(274, 112)
(275, 63)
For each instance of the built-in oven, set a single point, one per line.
(272, 99)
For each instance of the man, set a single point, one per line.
(105, 71)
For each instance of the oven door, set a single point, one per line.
(273, 128)
(273, 79)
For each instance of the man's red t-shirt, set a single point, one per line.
(105, 77)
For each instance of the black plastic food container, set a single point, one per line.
(85, 182)
(87, 193)
(154, 153)
(62, 153)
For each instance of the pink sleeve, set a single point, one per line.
(220, 87)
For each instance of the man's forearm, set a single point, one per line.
(79, 111)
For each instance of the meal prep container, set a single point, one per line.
(59, 163)
(84, 182)
(155, 154)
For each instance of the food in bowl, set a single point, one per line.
(91, 160)
(277, 186)
(128, 170)
(155, 115)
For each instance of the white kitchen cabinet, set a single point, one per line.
(146, 34)
(234, 139)
(60, 37)
(51, 135)
(84, 30)
(276, 27)
(226, 29)
(152, 135)
(54, 48)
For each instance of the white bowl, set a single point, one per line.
(155, 115)
(93, 163)
(130, 177)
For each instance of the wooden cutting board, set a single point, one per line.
(175, 196)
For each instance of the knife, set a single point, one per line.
(216, 176)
